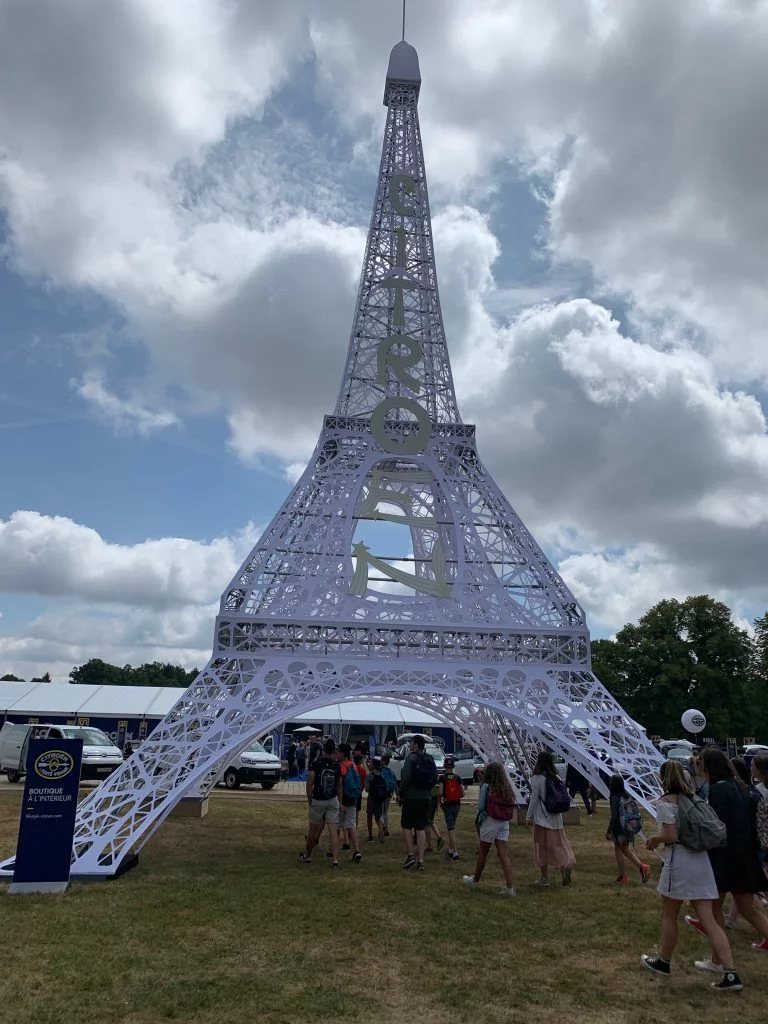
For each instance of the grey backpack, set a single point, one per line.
(698, 827)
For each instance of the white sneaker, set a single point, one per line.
(507, 891)
(708, 965)
(469, 880)
(542, 882)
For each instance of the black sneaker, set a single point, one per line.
(357, 857)
(730, 982)
(409, 861)
(419, 865)
(304, 859)
(656, 964)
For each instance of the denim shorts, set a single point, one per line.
(451, 813)
(493, 829)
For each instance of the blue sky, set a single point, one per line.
(180, 264)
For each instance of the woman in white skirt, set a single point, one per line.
(686, 876)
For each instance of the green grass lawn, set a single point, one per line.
(220, 923)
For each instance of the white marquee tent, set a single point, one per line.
(79, 700)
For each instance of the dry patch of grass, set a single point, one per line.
(220, 924)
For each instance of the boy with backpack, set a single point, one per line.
(323, 796)
(389, 777)
(351, 792)
(376, 787)
(451, 793)
(418, 777)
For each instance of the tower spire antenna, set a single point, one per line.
(404, 1)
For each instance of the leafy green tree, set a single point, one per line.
(682, 654)
(99, 673)
(44, 678)
(156, 673)
(10, 678)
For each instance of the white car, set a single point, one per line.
(255, 764)
(100, 756)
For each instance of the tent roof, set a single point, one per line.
(11, 693)
(368, 712)
(56, 699)
(53, 699)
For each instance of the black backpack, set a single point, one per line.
(423, 772)
(326, 784)
(377, 788)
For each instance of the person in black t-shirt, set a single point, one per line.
(324, 798)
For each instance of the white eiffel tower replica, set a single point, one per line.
(470, 622)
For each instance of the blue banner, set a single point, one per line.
(47, 826)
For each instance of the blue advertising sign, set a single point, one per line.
(47, 826)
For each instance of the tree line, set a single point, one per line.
(680, 654)
(100, 673)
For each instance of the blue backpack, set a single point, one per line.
(629, 817)
(352, 787)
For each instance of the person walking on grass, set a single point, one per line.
(576, 783)
(389, 777)
(624, 825)
(359, 760)
(376, 787)
(687, 875)
(451, 794)
(351, 792)
(324, 799)
(433, 832)
(549, 799)
(417, 779)
(736, 866)
(495, 810)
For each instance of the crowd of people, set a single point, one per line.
(339, 778)
(712, 831)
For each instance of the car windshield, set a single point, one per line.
(90, 737)
(679, 754)
(257, 748)
(436, 752)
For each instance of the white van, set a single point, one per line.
(100, 756)
(255, 764)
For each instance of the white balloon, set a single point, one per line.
(693, 721)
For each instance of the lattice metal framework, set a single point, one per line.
(471, 622)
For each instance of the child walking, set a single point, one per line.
(495, 809)
(376, 787)
(389, 777)
(624, 825)
(451, 793)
